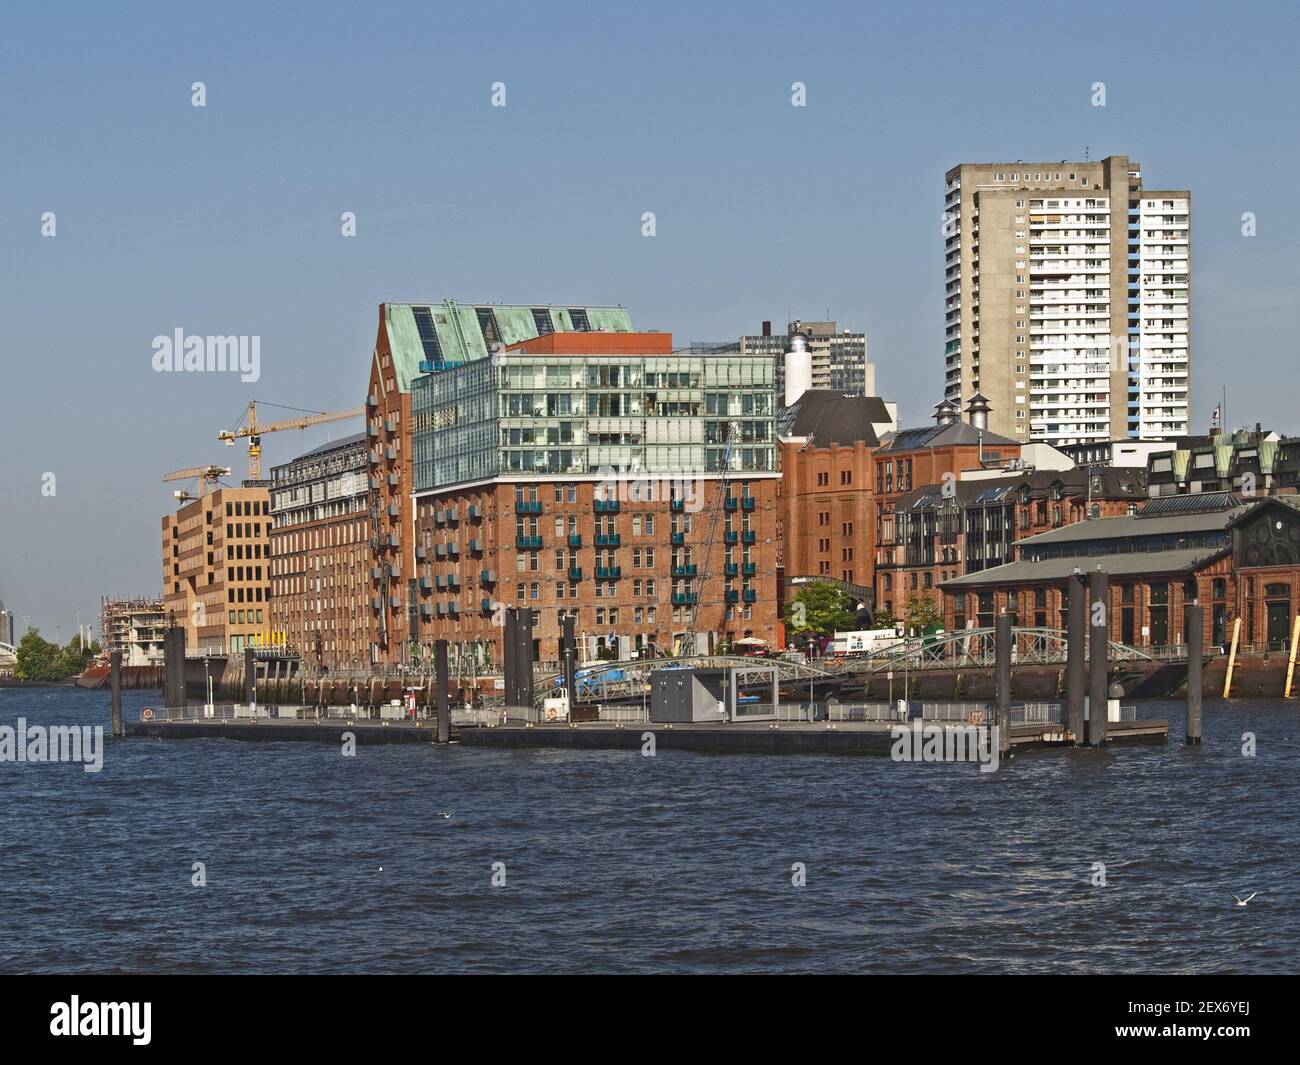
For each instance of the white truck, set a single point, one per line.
(863, 643)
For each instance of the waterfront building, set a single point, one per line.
(135, 627)
(320, 554)
(216, 570)
(826, 515)
(580, 473)
(931, 535)
(1067, 299)
(839, 360)
(1250, 461)
(1239, 557)
(416, 339)
(1130, 453)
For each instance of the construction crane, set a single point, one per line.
(205, 475)
(687, 645)
(255, 431)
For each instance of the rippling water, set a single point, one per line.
(619, 863)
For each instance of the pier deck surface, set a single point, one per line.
(758, 737)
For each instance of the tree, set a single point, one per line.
(884, 619)
(819, 609)
(40, 660)
(921, 613)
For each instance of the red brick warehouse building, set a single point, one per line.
(413, 340)
(1240, 558)
(579, 472)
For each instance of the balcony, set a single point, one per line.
(476, 546)
(488, 576)
(528, 506)
(751, 595)
(575, 573)
(575, 539)
(608, 539)
(683, 598)
(606, 506)
(686, 571)
(750, 569)
(749, 536)
(426, 585)
(485, 605)
(731, 570)
(528, 543)
(731, 537)
(731, 502)
(390, 453)
(608, 573)
(475, 512)
(733, 596)
(678, 539)
(421, 553)
(678, 505)
(748, 503)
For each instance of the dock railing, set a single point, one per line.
(1037, 713)
(957, 712)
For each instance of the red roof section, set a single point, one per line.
(597, 344)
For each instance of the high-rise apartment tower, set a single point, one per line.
(1067, 299)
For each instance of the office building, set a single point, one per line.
(320, 554)
(216, 570)
(581, 473)
(413, 340)
(839, 359)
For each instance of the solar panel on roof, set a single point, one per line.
(1198, 503)
(428, 336)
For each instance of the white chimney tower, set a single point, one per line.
(798, 369)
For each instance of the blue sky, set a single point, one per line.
(225, 219)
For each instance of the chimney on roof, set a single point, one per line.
(767, 329)
(945, 412)
(978, 410)
(798, 369)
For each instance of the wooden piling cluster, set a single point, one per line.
(518, 665)
(1195, 666)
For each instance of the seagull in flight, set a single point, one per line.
(1242, 902)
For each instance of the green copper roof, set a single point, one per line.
(460, 330)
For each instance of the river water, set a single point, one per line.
(614, 862)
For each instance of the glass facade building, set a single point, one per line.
(528, 414)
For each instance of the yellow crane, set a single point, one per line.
(254, 431)
(205, 475)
